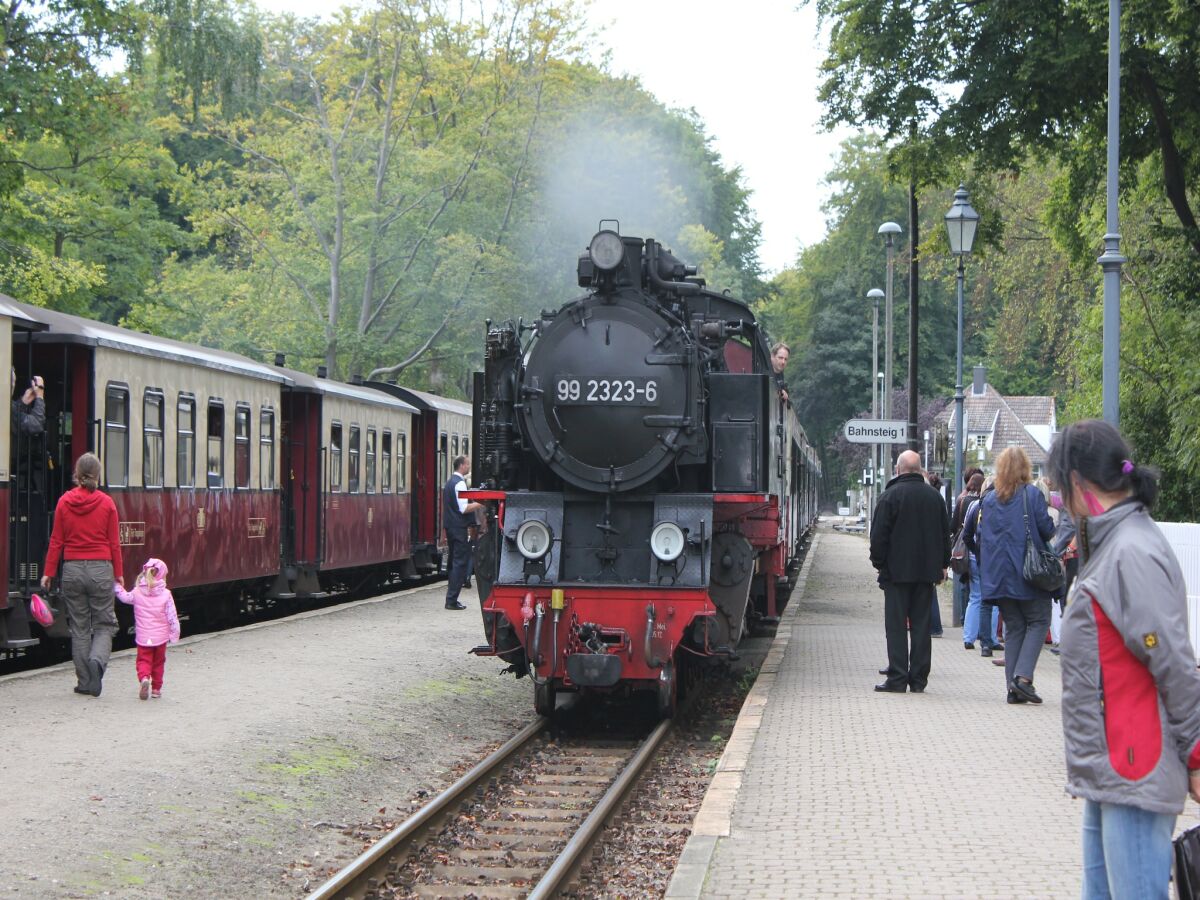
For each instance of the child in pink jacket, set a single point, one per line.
(155, 623)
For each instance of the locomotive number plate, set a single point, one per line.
(571, 390)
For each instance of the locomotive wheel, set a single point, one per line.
(544, 697)
(668, 691)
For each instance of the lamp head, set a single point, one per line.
(889, 230)
(961, 223)
(875, 294)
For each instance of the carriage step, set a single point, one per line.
(19, 644)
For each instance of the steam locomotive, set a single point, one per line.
(648, 484)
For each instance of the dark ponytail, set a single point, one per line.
(1096, 452)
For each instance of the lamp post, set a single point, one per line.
(889, 230)
(961, 222)
(874, 295)
(885, 450)
(927, 450)
(1112, 260)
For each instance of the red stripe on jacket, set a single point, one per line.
(1131, 721)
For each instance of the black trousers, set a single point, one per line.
(907, 608)
(456, 565)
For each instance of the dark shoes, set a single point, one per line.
(467, 583)
(97, 671)
(1025, 690)
(999, 647)
(886, 688)
(884, 670)
(914, 689)
(1014, 697)
(986, 651)
(970, 646)
(93, 685)
(455, 605)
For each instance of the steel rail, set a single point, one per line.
(594, 823)
(346, 882)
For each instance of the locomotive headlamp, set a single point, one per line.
(606, 250)
(533, 539)
(666, 541)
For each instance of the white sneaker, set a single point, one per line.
(144, 692)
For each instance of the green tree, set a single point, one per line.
(1006, 80)
(49, 53)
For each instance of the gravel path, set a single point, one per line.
(268, 741)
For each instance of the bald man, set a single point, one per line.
(910, 549)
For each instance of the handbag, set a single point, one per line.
(1187, 864)
(1042, 568)
(40, 610)
(958, 555)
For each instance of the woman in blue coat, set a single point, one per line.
(1001, 540)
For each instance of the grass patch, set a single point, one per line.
(267, 801)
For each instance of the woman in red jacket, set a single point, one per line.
(85, 539)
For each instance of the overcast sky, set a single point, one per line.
(749, 68)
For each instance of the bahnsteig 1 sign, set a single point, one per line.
(876, 431)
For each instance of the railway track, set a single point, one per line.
(518, 824)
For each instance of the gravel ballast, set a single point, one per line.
(268, 742)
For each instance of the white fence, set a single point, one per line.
(1184, 538)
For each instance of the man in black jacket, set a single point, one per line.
(910, 548)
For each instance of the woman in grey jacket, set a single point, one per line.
(1131, 691)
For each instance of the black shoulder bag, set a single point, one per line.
(1042, 568)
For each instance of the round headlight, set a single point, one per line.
(606, 250)
(666, 541)
(533, 539)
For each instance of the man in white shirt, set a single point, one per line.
(456, 517)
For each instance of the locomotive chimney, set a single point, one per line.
(280, 358)
(356, 378)
(322, 372)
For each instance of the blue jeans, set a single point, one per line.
(1126, 852)
(971, 624)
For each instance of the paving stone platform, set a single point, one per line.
(828, 789)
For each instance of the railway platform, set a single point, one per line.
(828, 789)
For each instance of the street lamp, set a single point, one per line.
(1112, 260)
(889, 230)
(961, 223)
(885, 450)
(874, 295)
(926, 449)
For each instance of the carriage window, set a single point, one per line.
(401, 463)
(385, 463)
(185, 442)
(353, 479)
(443, 458)
(116, 436)
(453, 450)
(241, 446)
(335, 456)
(370, 460)
(466, 448)
(266, 449)
(152, 439)
(216, 444)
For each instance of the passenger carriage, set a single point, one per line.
(347, 494)
(441, 433)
